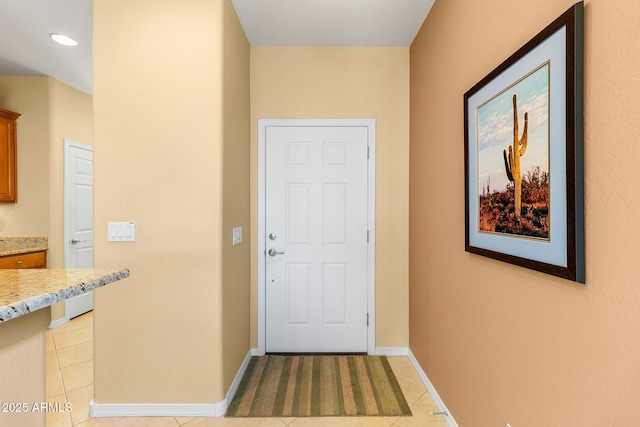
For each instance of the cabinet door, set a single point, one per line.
(30, 260)
(8, 174)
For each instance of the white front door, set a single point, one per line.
(78, 218)
(316, 238)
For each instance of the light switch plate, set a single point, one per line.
(237, 235)
(121, 231)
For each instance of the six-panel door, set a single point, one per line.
(316, 239)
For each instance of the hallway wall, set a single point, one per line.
(171, 125)
(348, 82)
(502, 343)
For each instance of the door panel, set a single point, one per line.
(334, 293)
(334, 214)
(298, 293)
(316, 226)
(297, 215)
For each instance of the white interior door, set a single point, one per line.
(316, 239)
(78, 218)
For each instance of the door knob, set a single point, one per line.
(273, 252)
(74, 241)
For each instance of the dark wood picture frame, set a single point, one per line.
(552, 242)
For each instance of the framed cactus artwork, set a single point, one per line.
(524, 180)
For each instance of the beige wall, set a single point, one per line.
(348, 82)
(31, 97)
(51, 111)
(236, 202)
(71, 118)
(503, 343)
(159, 145)
(22, 358)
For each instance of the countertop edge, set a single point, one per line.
(44, 300)
(22, 245)
(22, 251)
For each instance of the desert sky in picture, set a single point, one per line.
(496, 124)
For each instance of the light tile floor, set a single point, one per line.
(70, 379)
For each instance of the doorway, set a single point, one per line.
(316, 236)
(78, 218)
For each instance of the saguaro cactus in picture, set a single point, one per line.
(512, 162)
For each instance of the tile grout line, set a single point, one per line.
(72, 331)
(59, 370)
(62, 376)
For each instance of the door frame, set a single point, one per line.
(370, 124)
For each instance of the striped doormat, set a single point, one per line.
(316, 386)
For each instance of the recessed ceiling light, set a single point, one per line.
(63, 40)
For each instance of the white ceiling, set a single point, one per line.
(27, 50)
(332, 22)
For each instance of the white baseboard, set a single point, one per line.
(58, 322)
(432, 391)
(238, 378)
(100, 410)
(392, 351)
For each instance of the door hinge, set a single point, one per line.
(367, 319)
(367, 236)
(367, 151)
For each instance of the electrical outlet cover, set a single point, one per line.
(237, 235)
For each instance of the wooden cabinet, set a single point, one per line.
(8, 173)
(29, 260)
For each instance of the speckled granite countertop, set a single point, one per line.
(24, 291)
(22, 245)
